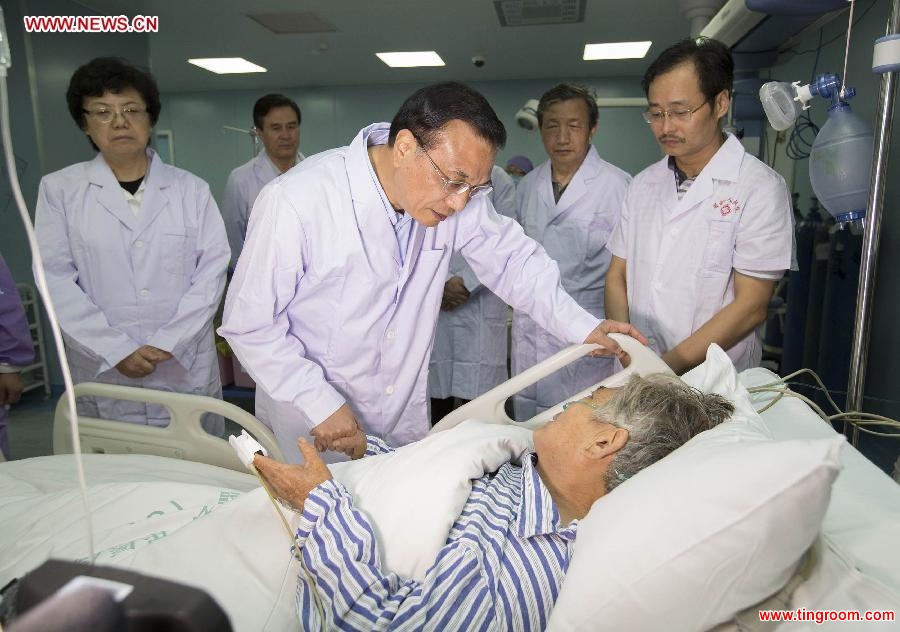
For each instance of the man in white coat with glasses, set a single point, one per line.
(707, 231)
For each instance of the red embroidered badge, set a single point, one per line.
(728, 206)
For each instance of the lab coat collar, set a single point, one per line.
(365, 193)
(725, 165)
(369, 199)
(159, 177)
(579, 185)
(110, 195)
(265, 170)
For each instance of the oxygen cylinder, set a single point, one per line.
(798, 301)
(818, 271)
(839, 313)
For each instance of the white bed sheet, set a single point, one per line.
(859, 550)
(216, 529)
(136, 498)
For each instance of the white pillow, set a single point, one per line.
(715, 527)
(412, 514)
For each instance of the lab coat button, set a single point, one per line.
(389, 390)
(145, 292)
(657, 286)
(390, 334)
(138, 244)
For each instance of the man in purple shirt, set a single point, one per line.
(16, 348)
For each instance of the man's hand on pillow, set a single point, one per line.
(292, 483)
(354, 447)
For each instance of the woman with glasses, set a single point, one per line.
(134, 251)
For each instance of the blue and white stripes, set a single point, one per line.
(501, 568)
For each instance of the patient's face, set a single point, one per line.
(573, 428)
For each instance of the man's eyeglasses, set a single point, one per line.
(106, 115)
(457, 187)
(681, 115)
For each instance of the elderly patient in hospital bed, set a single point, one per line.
(503, 562)
(472, 527)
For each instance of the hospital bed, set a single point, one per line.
(184, 438)
(149, 511)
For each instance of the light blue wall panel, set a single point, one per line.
(333, 116)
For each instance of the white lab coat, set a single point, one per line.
(119, 281)
(574, 232)
(241, 190)
(470, 342)
(681, 255)
(324, 309)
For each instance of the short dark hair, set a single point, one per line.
(428, 110)
(567, 92)
(110, 74)
(269, 102)
(712, 63)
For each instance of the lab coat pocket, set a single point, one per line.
(178, 252)
(718, 254)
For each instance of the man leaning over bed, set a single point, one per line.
(504, 559)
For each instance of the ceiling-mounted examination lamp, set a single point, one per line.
(227, 65)
(526, 117)
(616, 50)
(412, 59)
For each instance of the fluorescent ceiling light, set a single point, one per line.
(616, 50)
(411, 59)
(227, 65)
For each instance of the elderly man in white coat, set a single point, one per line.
(570, 205)
(134, 251)
(470, 343)
(706, 232)
(334, 300)
(276, 120)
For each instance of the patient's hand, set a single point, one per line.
(339, 425)
(292, 483)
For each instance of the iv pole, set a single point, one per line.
(254, 139)
(860, 350)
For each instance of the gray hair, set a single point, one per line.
(661, 413)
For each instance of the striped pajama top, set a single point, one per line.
(500, 569)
